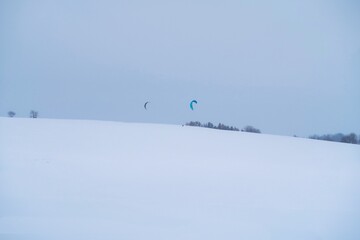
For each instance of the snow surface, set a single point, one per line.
(72, 179)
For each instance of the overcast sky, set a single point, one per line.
(285, 67)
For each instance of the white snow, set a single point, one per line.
(72, 179)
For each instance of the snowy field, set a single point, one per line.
(73, 180)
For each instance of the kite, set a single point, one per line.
(192, 104)
(145, 105)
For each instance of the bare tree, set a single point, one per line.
(33, 114)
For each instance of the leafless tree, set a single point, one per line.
(34, 114)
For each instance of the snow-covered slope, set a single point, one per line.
(70, 179)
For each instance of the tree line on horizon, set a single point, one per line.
(338, 137)
(222, 126)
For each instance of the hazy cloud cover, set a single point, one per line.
(286, 67)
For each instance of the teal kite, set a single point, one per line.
(192, 104)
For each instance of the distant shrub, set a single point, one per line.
(11, 114)
(250, 129)
(325, 137)
(194, 124)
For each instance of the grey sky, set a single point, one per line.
(286, 67)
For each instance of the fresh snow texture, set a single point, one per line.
(72, 179)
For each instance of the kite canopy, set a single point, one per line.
(145, 105)
(192, 104)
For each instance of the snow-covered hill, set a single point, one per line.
(72, 179)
